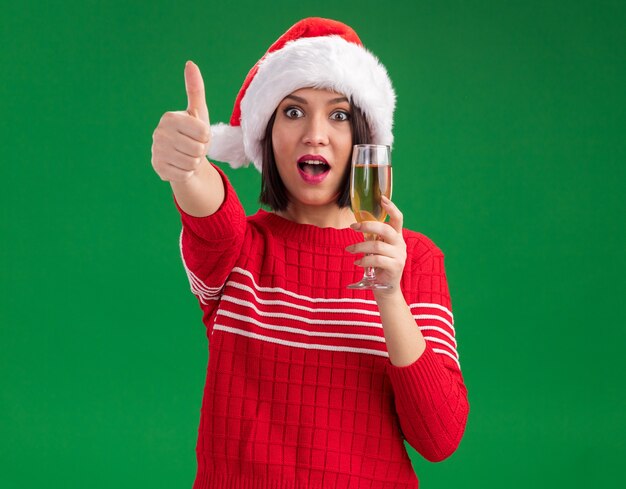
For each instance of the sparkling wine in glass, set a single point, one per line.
(370, 179)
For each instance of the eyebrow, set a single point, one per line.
(331, 101)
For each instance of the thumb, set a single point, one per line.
(194, 85)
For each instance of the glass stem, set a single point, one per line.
(369, 271)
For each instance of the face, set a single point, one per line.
(312, 141)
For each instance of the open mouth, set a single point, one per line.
(313, 167)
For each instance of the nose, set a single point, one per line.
(316, 131)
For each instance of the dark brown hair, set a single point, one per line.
(273, 192)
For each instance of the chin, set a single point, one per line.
(313, 196)
(313, 200)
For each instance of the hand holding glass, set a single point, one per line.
(370, 179)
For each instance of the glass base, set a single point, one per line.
(369, 284)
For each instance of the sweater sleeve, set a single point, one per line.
(209, 246)
(430, 394)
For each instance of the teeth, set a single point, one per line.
(313, 162)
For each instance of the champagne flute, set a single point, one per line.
(370, 179)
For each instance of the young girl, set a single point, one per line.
(309, 384)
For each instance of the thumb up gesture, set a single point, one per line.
(182, 138)
(196, 101)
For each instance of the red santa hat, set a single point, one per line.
(313, 53)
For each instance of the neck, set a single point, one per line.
(323, 216)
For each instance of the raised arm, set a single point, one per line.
(213, 219)
(180, 143)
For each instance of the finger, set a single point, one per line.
(396, 218)
(196, 99)
(376, 247)
(189, 146)
(174, 174)
(376, 261)
(183, 123)
(182, 161)
(192, 128)
(382, 229)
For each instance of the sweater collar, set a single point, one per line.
(306, 233)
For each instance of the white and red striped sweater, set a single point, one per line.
(300, 392)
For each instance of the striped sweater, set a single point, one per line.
(299, 391)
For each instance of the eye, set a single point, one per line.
(293, 112)
(340, 115)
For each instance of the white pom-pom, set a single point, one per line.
(227, 145)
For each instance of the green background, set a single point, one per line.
(509, 154)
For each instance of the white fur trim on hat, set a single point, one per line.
(328, 62)
(227, 145)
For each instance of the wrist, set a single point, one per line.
(393, 297)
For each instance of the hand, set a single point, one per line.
(389, 254)
(181, 140)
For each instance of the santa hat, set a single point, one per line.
(313, 53)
